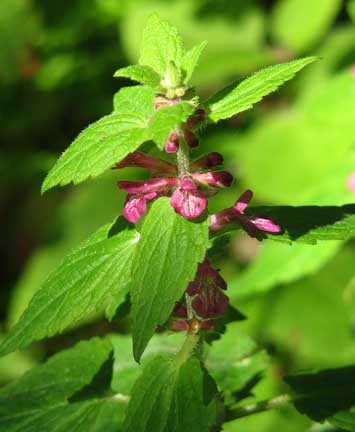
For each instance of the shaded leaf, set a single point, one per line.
(82, 284)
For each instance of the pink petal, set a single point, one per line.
(243, 201)
(152, 185)
(138, 159)
(214, 178)
(171, 147)
(134, 208)
(351, 182)
(207, 161)
(190, 204)
(266, 224)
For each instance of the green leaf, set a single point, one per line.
(82, 284)
(308, 224)
(141, 73)
(161, 44)
(299, 24)
(190, 60)
(172, 396)
(38, 401)
(55, 381)
(97, 148)
(236, 366)
(135, 99)
(284, 263)
(95, 415)
(166, 260)
(235, 99)
(326, 395)
(166, 119)
(351, 9)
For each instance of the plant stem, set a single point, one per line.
(258, 407)
(188, 347)
(183, 157)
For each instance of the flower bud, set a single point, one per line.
(197, 117)
(191, 139)
(214, 178)
(209, 160)
(172, 143)
(172, 76)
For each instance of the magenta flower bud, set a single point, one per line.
(179, 325)
(172, 143)
(209, 160)
(187, 200)
(251, 224)
(191, 139)
(141, 160)
(351, 182)
(197, 117)
(214, 178)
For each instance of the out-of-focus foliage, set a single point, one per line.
(295, 148)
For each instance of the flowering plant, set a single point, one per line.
(158, 258)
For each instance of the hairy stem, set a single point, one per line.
(258, 407)
(183, 157)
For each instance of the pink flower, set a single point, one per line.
(172, 143)
(214, 178)
(139, 193)
(351, 182)
(187, 200)
(206, 292)
(249, 223)
(138, 159)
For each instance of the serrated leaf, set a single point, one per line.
(308, 224)
(166, 119)
(136, 99)
(82, 284)
(190, 60)
(55, 381)
(38, 401)
(141, 73)
(166, 260)
(299, 24)
(171, 396)
(95, 415)
(237, 98)
(161, 44)
(97, 148)
(326, 395)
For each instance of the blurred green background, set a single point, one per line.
(297, 147)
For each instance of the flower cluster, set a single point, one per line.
(188, 192)
(204, 299)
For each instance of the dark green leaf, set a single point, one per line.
(172, 396)
(166, 260)
(82, 284)
(326, 395)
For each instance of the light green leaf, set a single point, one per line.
(190, 60)
(172, 396)
(141, 73)
(234, 361)
(166, 119)
(135, 99)
(299, 24)
(166, 260)
(82, 284)
(284, 263)
(244, 95)
(161, 44)
(97, 148)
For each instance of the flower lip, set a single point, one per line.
(187, 200)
